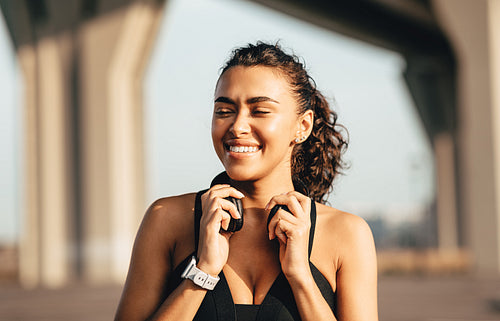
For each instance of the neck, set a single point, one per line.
(259, 192)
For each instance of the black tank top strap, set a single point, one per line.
(279, 303)
(198, 212)
(313, 226)
(197, 217)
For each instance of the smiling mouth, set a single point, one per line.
(242, 149)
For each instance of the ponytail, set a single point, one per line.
(318, 160)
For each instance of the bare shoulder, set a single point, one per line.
(169, 219)
(335, 227)
(171, 209)
(344, 224)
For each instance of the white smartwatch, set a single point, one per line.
(199, 277)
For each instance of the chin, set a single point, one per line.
(240, 174)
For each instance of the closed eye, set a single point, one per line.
(223, 112)
(260, 111)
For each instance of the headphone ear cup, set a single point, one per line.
(235, 224)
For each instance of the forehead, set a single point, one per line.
(252, 81)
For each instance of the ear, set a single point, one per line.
(305, 123)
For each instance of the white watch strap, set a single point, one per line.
(199, 277)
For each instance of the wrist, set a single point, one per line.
(302, 279)
(198, 276)
(207, 268)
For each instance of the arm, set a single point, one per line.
(167, 225)
(357, 273)
(356, 276)
(310, 301)
(164, 223)
(292, 231)
(347, 243)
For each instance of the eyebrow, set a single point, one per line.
(249, 101)
(260, 99)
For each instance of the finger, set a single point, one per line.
(219, 218)
(214, 198)
(219, 186)
(223, 191)
(281, 215)
(271, 226)
(282, 229)
(225, 218)
(228, 206)
(281, 237)
(212, 189)
(272, 203)
(304, 201)
(290, 200)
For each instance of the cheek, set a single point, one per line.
(217, 128)
(217, 132)
(280, 128)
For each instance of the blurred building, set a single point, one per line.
(83, 63)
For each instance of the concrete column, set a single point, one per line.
(126, 130)
(45, 258)
(82, 67)
(29, 254)
(54, 189)
(444, 155)
(473, 27)
(114, 50)
(493, 10)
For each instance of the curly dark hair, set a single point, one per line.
(317, 160)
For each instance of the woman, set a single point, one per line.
(278, 141)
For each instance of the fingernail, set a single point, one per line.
(240, 194)
(267, 206)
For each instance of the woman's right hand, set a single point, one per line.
(213, 247)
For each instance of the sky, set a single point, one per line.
(10, 150)
(391, 170)
(390, 159)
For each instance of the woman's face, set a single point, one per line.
(254, 122)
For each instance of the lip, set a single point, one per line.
(241, 144)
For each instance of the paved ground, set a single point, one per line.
(400, 299)
(439, 299)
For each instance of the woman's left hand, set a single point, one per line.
(292, 231)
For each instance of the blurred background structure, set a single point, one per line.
(86, 127)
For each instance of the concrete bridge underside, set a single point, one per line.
(83, 63)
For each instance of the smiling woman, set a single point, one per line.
(277, 139)
(254, 108)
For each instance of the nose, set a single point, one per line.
(241, 124)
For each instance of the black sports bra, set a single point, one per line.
(279, 303)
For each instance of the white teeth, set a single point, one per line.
(243, 149)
